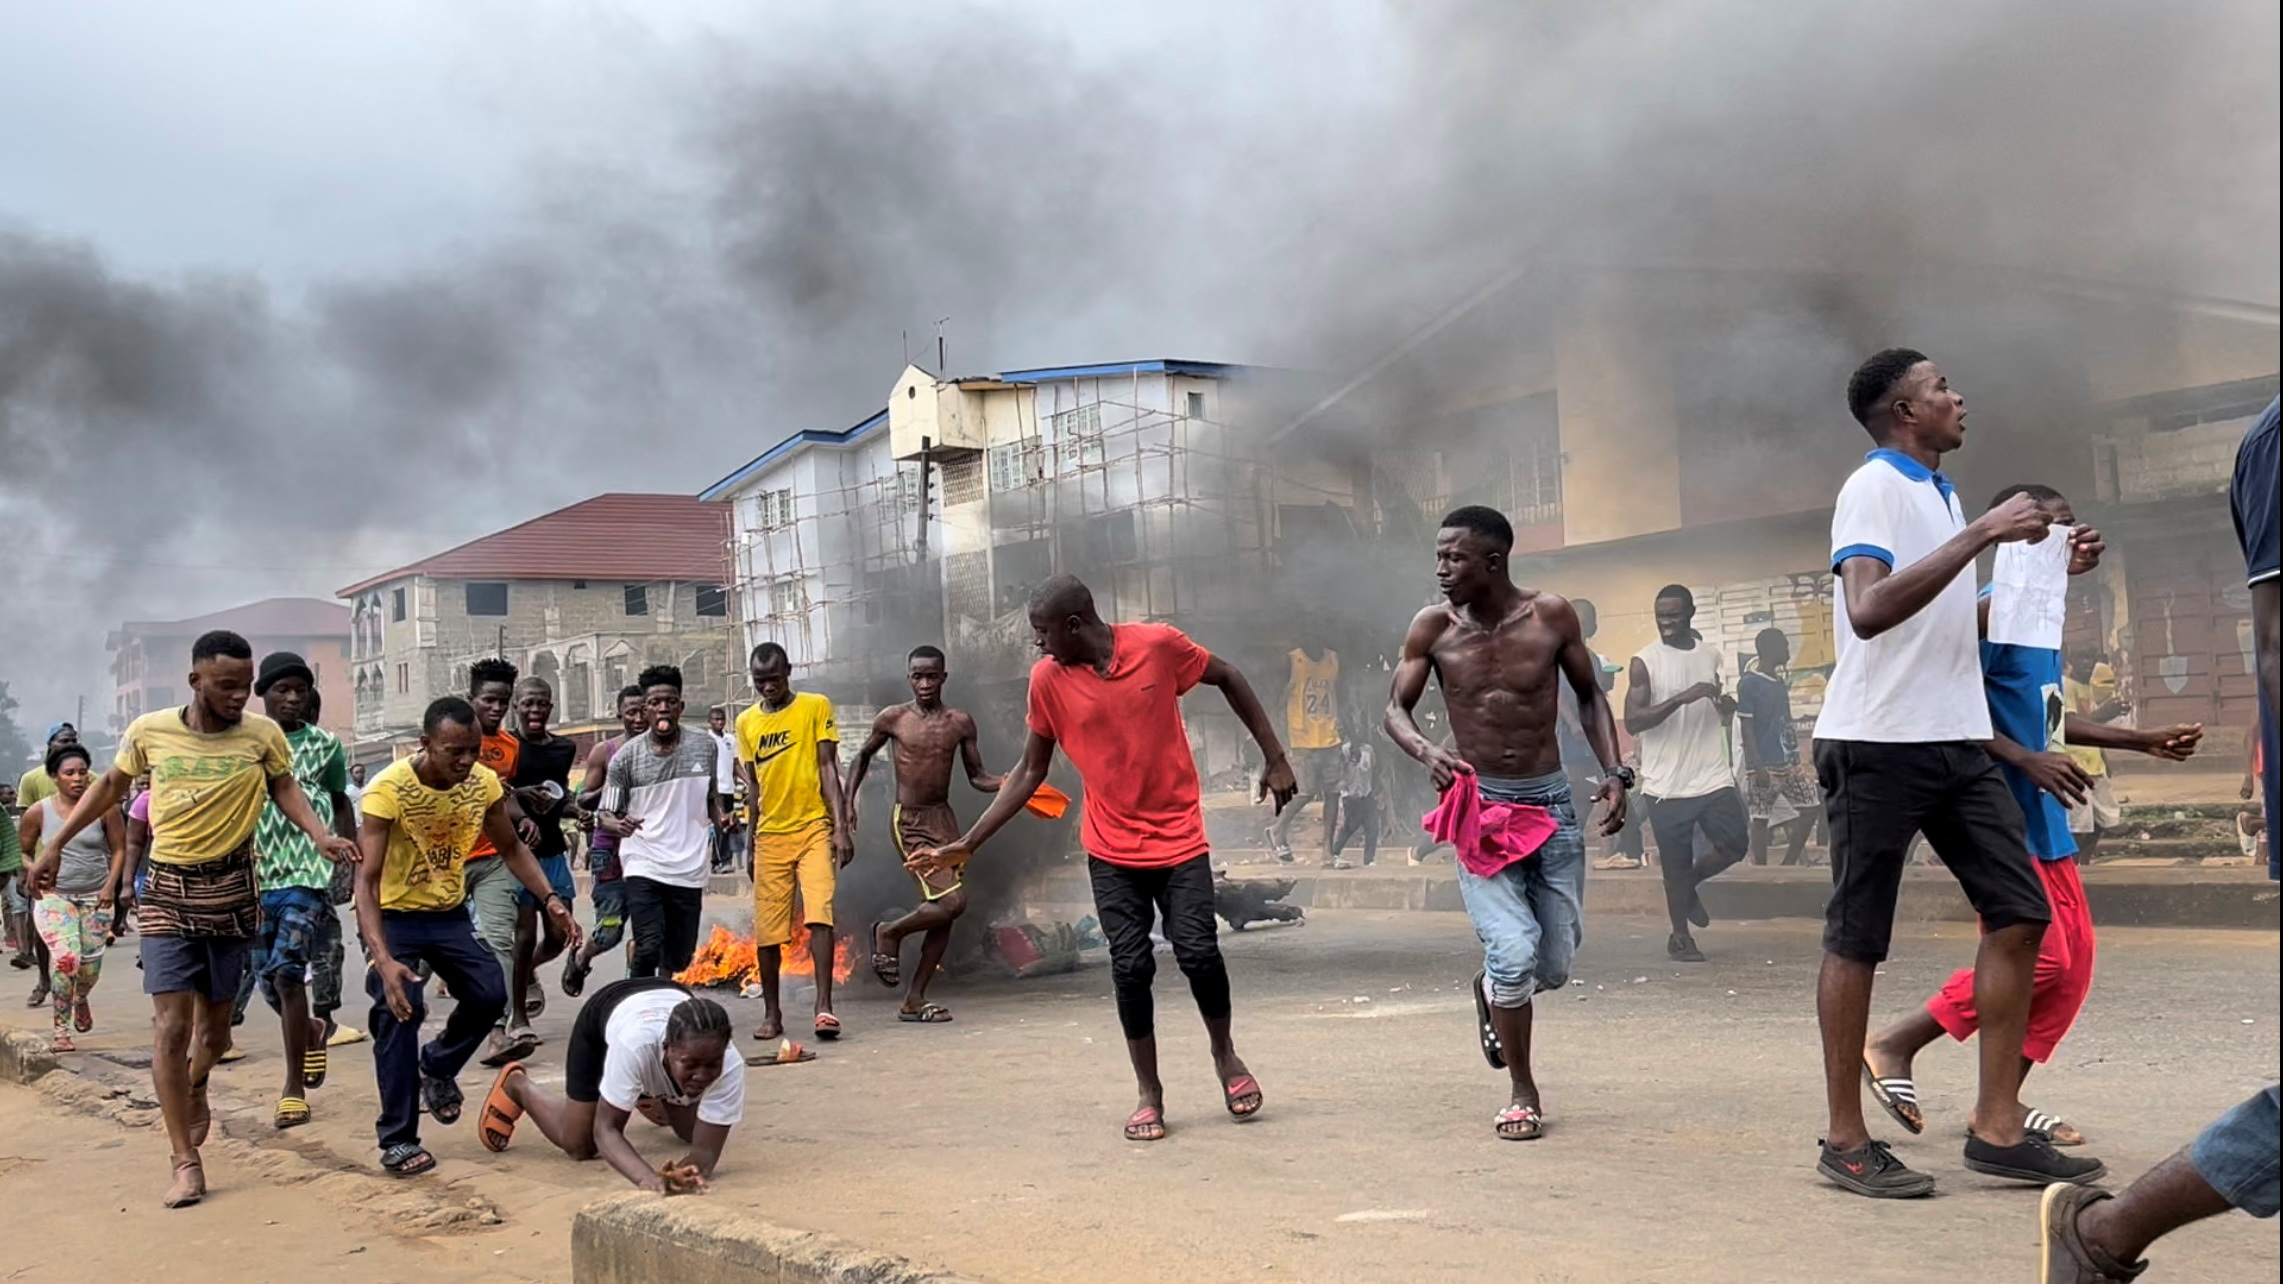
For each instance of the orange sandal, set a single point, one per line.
(496, 1125)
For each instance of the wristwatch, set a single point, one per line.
(1624, 775)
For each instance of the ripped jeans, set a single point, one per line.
(1530, 915)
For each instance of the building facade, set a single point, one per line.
(150, 659)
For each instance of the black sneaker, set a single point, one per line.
(1683, 949)
(2034, 1160)
(1873, 1172)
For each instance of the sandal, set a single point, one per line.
(407, 1159)
(1492, 1050)
(888, 967)
(1519, 1123)
(928, 1014)
(1146, 1124)
(443, 1099)
(2053, 1128)
(315, 1065)
(496, 1125)
(189, 1184)
(292, 1112)
(39, 997)
(1898, 1096)
(1242, 1097)
(61, 1041)
(513, 1047)
(82, 1017)
(827, 1026)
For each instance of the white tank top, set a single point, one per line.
(1686, 755)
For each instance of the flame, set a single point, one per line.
(729, 959)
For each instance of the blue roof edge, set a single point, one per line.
(790, 444)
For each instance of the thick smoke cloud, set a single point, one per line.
(1273, 186)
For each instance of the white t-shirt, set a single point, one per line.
(1686, 755)
(634, 1066)
(1921, 681)
(668, 792)
(725, 771)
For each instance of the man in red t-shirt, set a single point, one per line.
(1110, 696)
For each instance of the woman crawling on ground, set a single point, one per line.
(642, 1044)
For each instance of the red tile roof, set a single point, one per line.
(276, 617)
(637, 538)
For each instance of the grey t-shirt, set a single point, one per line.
(668, 793)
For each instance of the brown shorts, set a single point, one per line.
(929, 826)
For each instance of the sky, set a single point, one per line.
(291, 294)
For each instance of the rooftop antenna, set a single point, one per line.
(942, 367)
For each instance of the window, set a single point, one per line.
(403, 678)
(578, 584)
(962, 479)
(638, 599)
(1016, 465)
(712, 601)
(788, 598)
(1196, 405)
(396, 606)
(1077, 439)
(773, 509)
(487, 597)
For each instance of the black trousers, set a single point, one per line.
(1720, 814)
(446, 942)
(1124, 898)
(1359, 816)
(664, 921)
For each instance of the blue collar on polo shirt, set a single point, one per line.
(1913, 469)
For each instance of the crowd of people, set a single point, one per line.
(253, 830)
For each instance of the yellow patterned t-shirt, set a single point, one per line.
(430, 833)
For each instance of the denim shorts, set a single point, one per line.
(1530, 916)
(558, 872)
(2237, 1153)
(293, 925)
(208, 966)
(610, 915)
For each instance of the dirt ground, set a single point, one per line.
(1684, 1106)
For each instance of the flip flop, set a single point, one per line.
(827, 1026)
(60, 1041)
(1492, 1050)
(292, 1112)
(888, 967)
(928, 1014)
(496, 1125)
(515, 1047)
(1146, 1124)
(1519, 1123)
(82, 1017)
(2049, 1125)
(407, 1159)
(315, 1065)
(1237, 1092)
(344, 1035)
(1898, 1096)
(778, 1058)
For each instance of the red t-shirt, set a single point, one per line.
(1125, 735)
(498, 752)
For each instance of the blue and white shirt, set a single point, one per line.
(1921, 681)
(2023, 684)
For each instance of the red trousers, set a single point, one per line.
(2064, 971)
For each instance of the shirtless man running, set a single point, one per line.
(1499, 651)
(926, 733)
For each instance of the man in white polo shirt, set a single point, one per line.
(1899, 751)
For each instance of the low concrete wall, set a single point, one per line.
(24, 1056)
(641, 1239)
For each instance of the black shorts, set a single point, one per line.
(1720, 814)
(582, 1061)
(1878, 796)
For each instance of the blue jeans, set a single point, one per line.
(2238, 1153)
(1530, 915)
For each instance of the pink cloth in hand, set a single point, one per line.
(1489, 836)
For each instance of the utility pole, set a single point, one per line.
(942, 367)
(927, 456)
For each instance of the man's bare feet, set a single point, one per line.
(189, 1184)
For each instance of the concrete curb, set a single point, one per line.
(636, 1238)
(24, 1057)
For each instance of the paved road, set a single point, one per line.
(1684, 1109)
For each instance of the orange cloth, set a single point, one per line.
(498, 752)
(1049, 803)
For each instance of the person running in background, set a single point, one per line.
(2089, 1235)
(15, 908)
(490, 887)
(213, 769)
(297, 880)
(1675, 708)
(1498, 651)
(422, 817)
(1781, 788)
(1312, 728)
(542, 787)
(725, 837)
(74, 918)
(2090, 691)
(357, 788)
(36, 785)
(661, 798)
(1899, 749)
(639, 1042)
(788, 748)
(927, 734)
(1110, 696)
(609, 890)
(2033, 736)
(1359, 802)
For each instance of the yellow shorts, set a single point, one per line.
(781, 862)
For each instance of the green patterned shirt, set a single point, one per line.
(288, 858)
